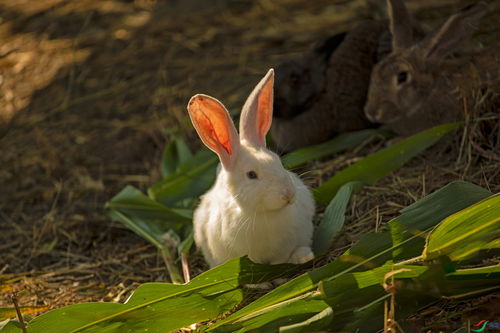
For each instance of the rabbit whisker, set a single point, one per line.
(305, 173)
(241, 224)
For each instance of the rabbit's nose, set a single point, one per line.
(371, 114)
(371, 118)
(288, 195)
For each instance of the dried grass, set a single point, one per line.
(94, 88)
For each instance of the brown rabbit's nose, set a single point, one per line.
(371, 114)
(385, 112)
(288, 195)
(371, 117)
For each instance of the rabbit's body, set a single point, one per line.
(256, 207)
(337, 105)
(245, 226)
(418, 86)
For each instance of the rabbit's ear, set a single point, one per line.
(257, 113)
(215, 127)
(400, 25)
(453, 31)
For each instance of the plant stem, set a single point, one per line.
(19, 315)
(410, 261)
(185, 267)
(173, 270)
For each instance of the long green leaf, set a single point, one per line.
(313, 324)
(383, 162)
(293, 311)
(146, 217)
(472, 281)
(174, 155)
(372, 250)
(478, 272)
(333, 219)
(465, 233)
(149, 220)
(164, 307)
(434, 207)
(191, 180)
(11, 326)
(360, 295)
(417, 286)
(342, 142)
(340, 288)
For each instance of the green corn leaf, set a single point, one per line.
(146, 217)
(434, 207)
(468, 282)
(340, 288)
(174, 155)
(192, 179)
(150, 220)
(467, 232)
(340, 143)
(333, 219)
(186, 244)
(383, 162)
(293, 311)
(357, 298)
(492, 272)
(313, 324)
(11, 326)
(163, 307)
(373, 250)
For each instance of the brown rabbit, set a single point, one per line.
(417, 86)
(323, 93)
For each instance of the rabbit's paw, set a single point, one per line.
(301, 255)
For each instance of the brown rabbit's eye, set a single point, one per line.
(294, 78)
(402, 77)
(252, 174)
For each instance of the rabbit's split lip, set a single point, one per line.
(386, 113)
(288, 196)
(288, 199)
(369, 113)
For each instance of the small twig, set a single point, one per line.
(488, 154)
(185, 268)
(378, 219)
(410, 261)
(19, 315)
(4, 268)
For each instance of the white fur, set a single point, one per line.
(255, 207)
(240, 216)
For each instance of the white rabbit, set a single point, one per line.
(256, 207)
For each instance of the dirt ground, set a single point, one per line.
(91, 90)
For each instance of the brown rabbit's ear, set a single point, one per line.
(215, 127)
(257, 113)
(400, 25)
(454, 30)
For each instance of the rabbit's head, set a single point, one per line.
(297, 85)
(250, 173)
(413, 77)
(299, 82)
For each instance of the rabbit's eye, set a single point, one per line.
(252, 174)
(294, 78)
(402, 77)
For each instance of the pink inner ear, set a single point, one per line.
(265, 109)
(211, 122)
